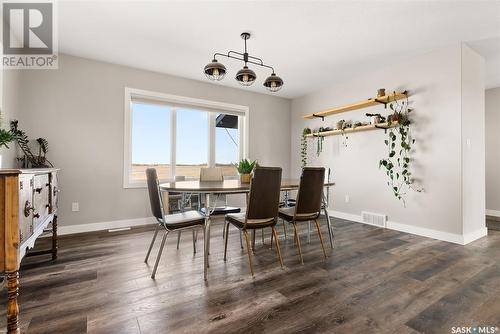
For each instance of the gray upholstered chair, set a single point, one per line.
(174, 222)
(308, 205)
(262, 208)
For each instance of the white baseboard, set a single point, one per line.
(470, 237)
(494, 213)
(101, 226)
(346, 216)
(421, 231)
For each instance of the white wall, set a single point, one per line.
(434, 81)
(493, 151)
(10, 98)
(79, 108)
(473, 144)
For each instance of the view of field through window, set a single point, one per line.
(151, 143)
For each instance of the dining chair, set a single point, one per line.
(308, 204)
(262, 209)
(188, 220)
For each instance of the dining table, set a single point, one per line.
(206, 189)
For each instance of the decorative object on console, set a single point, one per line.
(245, 168)
(29, 160)
(245, 77)
(380, 92)
(399, 144)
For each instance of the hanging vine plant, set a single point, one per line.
(319, 142)
(399, 147)
(303, 146)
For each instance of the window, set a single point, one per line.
(150, 140)
(191, 142)
(178, 136)
(227, 143)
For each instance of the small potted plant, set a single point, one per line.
(245, 168)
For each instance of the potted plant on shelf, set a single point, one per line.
(245, 168)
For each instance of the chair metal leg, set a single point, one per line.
(205, 255)
(208, 239)
(249, 251)
(226, 229)
(284, 227)
(309, 232)
(272, 236)
(152, 243)
(160, 251)
(330, 229)
(278, 251)
(253, 240)
(320, 237)
(178, 238)
(297, 239)
(241, 241)
(262, 235)
(194, 242)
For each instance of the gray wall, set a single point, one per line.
(493, 151)
(435, 83)
(80, 110)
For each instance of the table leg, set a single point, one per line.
(205, 253)
(12, 307)
(54, 238)
(207, 214)
(329, 225)
(206, 237)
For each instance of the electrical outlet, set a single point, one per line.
(347, 198)
(75, 207)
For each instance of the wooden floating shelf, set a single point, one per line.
(359, 105)
(356, 129)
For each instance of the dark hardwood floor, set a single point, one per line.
(374, 281)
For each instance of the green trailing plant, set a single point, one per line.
(246, 166)
(399, 143)
(303, 146)
(319, 142)
(30, 160)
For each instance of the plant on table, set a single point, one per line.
(245, 168)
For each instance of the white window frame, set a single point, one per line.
(212, 107)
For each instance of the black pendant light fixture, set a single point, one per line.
(245, 76)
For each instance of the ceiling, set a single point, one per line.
(310, 44)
